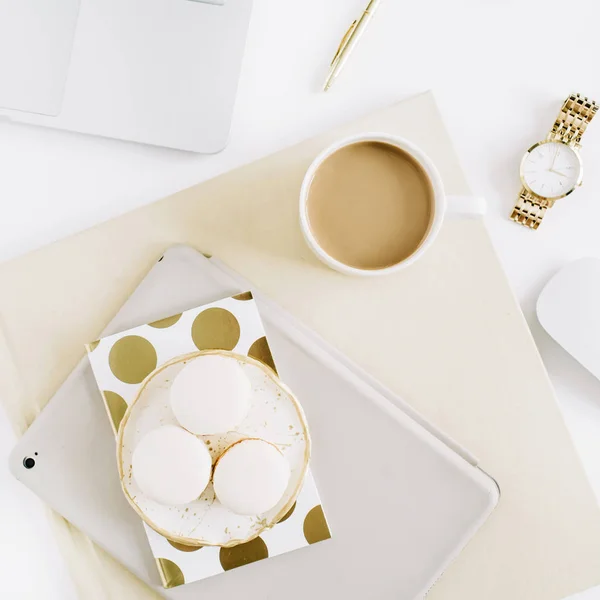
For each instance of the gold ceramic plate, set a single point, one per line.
(275, 415)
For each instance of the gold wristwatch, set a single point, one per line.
(552, 169)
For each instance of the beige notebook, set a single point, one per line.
(446, 334)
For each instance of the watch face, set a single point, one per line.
(551, 169)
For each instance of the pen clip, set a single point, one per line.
(344, 41)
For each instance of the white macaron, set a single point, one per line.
(210, 395)
(251, 477)
(171, 466)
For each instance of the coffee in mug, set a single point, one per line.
(373, 203)
(370, 205)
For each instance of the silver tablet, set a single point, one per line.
(401, 503)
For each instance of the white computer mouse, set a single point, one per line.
(569, 310)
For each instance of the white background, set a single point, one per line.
(500, 70)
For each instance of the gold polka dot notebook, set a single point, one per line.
(122, 361)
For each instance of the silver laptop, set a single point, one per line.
(161, 72)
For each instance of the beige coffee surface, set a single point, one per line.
(446, 333)
(370, 205)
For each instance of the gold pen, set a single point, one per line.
(348, 42)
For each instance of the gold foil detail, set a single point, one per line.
(132, 359)
(215, 329)
(116, 407)
(243, 554)
(93, 346)
(315, 526)
(170, 573)
(166, 322)
(243, 296)
(260, 351)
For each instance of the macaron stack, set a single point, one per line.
(210, 395)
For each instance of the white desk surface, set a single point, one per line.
(499, 78)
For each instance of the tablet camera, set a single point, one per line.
(29, 462)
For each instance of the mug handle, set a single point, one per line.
(465, 206)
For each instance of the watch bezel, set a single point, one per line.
(552, 141)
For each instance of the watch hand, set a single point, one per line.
(554, 158)
(557, 172)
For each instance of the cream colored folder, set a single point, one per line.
(446, 334)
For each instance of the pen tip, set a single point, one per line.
(327, 85)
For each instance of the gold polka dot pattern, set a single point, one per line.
(260, 351)
(166, 322)
(183, 547)
(171, 574)
(243, 554)
(136, 355)
(116, 407)
(243, 296)
(288, 514)
(132, 359)
(315, 526)
(215, 329)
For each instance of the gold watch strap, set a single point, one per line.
(530, 209)
(571, 123)
(575, 115)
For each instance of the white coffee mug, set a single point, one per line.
(444, 205)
